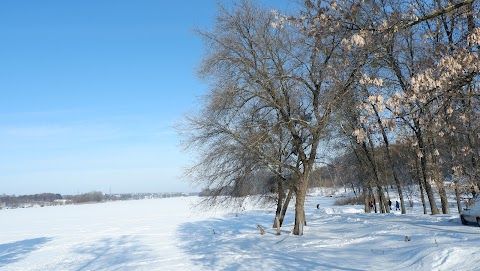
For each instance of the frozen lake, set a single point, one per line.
(164, 234)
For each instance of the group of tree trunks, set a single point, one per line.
(391, 86)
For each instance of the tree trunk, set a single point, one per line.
(422, 195)
(455, 182)
(428, 188)
(367, 188)
(299, 215)
(371, 158)
(423, 164)
(437, 178)
(370, 189)
(278, 225)
(300, 194)
(279, 204)
(457, 196)
(383, 202)
(443, 198)
(285, 206)
(420, 185)
(366, 201)
(441, 191)
(366, 196)
(390, 160)
(472, 135)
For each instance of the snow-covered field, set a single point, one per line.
(164, 234)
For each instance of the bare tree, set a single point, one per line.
(238, 130)
(278, 81)
(264, 65)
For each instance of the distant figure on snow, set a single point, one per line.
(397, 206)
(318, 206)
(474, 193)
(371, 205)
(390, 204)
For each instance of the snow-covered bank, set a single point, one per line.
(164, 234)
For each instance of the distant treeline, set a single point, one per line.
(94, 196)
(46, 199)
(15, 201)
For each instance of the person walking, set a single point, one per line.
(397, 206)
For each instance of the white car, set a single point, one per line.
(471, 213)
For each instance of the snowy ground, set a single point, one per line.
(164, 234)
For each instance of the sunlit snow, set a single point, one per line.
(165, 234)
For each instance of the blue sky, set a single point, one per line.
(90, 91)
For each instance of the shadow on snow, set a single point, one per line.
(13, 252)
(119, 253)
(333, 241)
(234, 243)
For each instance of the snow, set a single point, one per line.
(165, 234)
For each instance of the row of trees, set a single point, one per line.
(94, 196)
(49, 198)
(368, 76)
(15, 201)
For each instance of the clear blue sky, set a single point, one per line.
(90, 90)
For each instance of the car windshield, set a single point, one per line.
(470, 202)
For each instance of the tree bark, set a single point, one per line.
(457, 196)
(420, 186)
(300, 194)
(383, 202)
(390, 161)
(279, 204)
(443, 198)
(423, 164)
(278, 225)
(371, 157)
(437, 178)
(285, 206)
